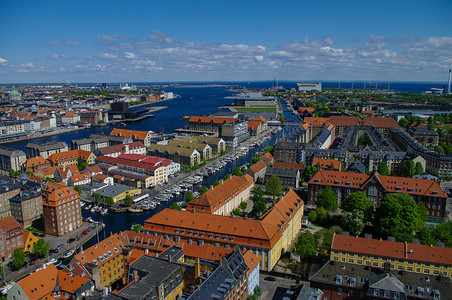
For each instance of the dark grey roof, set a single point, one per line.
(308, 293)
(341, 274)
(175, 253)
(237, 264)
(357, 166)
(152, 272)
(286, 145)
(113, 190)
(281, 172)
(49, 145)
(217, 286)
(11, 152)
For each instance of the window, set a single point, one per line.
(377, 292)
(339, 291)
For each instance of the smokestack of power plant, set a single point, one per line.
(448, 84)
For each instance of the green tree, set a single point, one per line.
(137, 227)
(13, 173)
(312, 216)
(41, 248)
(203, 190)
(237, 172)
(189, 197)
(78, 189)
(425, 235)
(110, 201)
(174, 205)
(259, 202)
(273, 187)
(327, 199)
(128, 200)
(407, 169)
(29, 172)
(215, 183)
(18, 258)
(418, 168)
(358, 201)
(422, 214)
(383, 168)
(322, 214)
(353, 221)
(97, 197)
(305, 246)
(397, 216)
(237, 212)
(403, 122)
(308, 172)
(81, 164)
(243, 206)
(443, 232)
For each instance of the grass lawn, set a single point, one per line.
(257, 109)
(446, 127)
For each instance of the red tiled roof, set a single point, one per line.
(9, 223)
(324, 163)
(344, 120)
(213, 199)
(397, 250)
(380, 122)
(212, 120)
(258, 166)
(121, 148)
(134, 134)
(251, 260)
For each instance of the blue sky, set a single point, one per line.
(119, 41)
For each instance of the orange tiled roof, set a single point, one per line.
(324, 163)
(134, 134)
(36, 161)
(251, 261)
(286, 165)
(57, 191)
(380, 122)
(80, 177)
(42, 283)
(262, 119)
(250, 232)
(344, 120)
(258, 166)
(284, 210)
(392, 184)
(8, 223)
(101, 176)
(212, 120)
(102, 252)
(69, 155)
(213, 199)
(315, 121)
(307, 108)
(398, 250)
(254, 125)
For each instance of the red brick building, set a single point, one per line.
(12, 236)
(376, 186)
(61, 209)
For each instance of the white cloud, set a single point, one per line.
(73, 42)
(259, 58)
(129, 55)
(3, 61)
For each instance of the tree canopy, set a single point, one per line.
(305, 246)
(259, 202)
(203, 190)
(273, 186)
(18, 258)
(397, 216)
(327, 199)
(353, 221)
(189, 197)
(358, 201)
(41, 248)
(128, 200)
(418, 168)
(407, 169)
(383, 168)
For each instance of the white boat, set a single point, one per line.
(69, 253)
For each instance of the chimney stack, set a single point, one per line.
(135, 276)
(169, 258)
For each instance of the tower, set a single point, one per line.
(448, 84)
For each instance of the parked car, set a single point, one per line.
(59, 246)
(79, 235)
(85, 231)
(41, 234)
(71, 240)
(91, 228)
(270, 278)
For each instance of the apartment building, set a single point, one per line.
(46, 149)
(217, 144)
(26, 207)
(204, 149)
(225, 197)
(376, 186)
(90, 144)
(61, 209)
(8, 189)
(183, 156)
(12, 237)
(262, 237)
(36, 163)
(71, 157)
(12, 159)
(149, 169)
(105, 261)
(116, 150)
(415, 258)
(136, 135)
